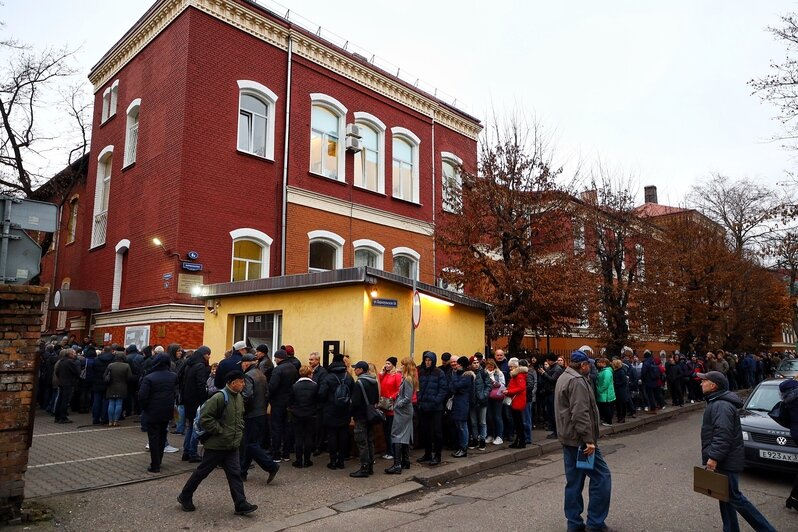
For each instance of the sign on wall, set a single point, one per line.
(140, 336)
(186, 282)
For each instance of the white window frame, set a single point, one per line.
(370, 245)
(106, 105)
(404, 134)
(409, 253)
(370, 121)
(448, 204)
(122, 247)
(269, 97)
(114, 98)
(338, 109)
(132, 131)
(104, 161)
(331, 238)
(258, 237)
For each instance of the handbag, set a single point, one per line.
(373, 414)
(386, 403)
(780, 414)
(498, 393)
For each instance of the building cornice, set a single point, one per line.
(155, 314)
(269, 31)
(314, 200)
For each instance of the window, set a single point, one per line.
(110, 97)
(251, 252)
(325, 251)
(116, 294)
(405, 164)
(405, 262)
(452, 183)
(72, 223)
(370, 161)
(257, 329)
(327, 132)
(114, 98)
(132, 128)
(62, 315)
(256, 108)
(101, 194)
(368, 253)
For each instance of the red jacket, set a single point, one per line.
(389, 386)
(517, 387)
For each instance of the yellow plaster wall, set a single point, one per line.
(459, 330)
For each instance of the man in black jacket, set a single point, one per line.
(256, 395)
(194, 390)
(283, 378)
(157, 399)
(364, 436)
(68, 374)
(722, 449)
(318, 374)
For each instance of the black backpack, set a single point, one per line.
(342, 396)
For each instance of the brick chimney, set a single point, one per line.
(650, 193)
(590, 196)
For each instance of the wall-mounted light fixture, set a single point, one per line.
(436, 299)
(374, 293)
(157, 242)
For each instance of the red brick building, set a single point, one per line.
(249, 147)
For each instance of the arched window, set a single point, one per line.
(251, 253)
(370, 161)
(451, 183)
(405, 164)
(72, 223)
(110, 96)
(327, 131)
(368, 253)
(405, 262)
(102, 192)
(116, 294)
(325, 251)
(256, 110)
(132, 128)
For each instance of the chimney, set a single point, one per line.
(590, 196)
(650, 193)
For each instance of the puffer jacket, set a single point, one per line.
(620, 382)
(517, 387)
(789, 395)
(605, 390)
(121, 376)
(462, 385)
(481, 388)
(304, 397)
(721, 434)
(283, 378)
(332, 415)
(101, 363)
(226, 431)
(433, 386)
(157, 391)
(195, 379)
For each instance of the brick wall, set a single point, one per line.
(20, 325)
(188, 335)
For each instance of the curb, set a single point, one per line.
(433, 477)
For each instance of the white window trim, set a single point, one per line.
(457, 162)
(106, 107)
(130, 108)
(122, 247)
(408, 252)
(337, 241)
(415, 143)
(98, 190)
(260, 238)
(247, 86)
(114, 99)
(336, 107)
(371, 245)
(369, 120)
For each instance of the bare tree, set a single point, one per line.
(742, 207)
(25, 83)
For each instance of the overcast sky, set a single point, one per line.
(657, 89)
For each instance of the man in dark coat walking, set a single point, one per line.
(157, 400)
(194, 390)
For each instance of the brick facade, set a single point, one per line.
(20, 324)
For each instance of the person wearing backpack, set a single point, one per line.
(366, 393)
(335, 394)
(222, 417)
(157, 399)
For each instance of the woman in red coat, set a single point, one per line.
(390, 380)
(516, 390)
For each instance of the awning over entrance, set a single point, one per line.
(75, 300)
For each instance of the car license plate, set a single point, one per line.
(777, 455)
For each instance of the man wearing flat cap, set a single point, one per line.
(577, 418)
(722, 449)
(222, 417)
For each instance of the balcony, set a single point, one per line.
(99, 229)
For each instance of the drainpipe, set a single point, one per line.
(434, 227)
(57, 241)
(284, 221)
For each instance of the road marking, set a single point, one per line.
(81, 431)
(87, 459)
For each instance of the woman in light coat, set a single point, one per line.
(402, 428)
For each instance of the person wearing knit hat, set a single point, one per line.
(281, 384)
(390, 380)
(366, 391)
(463, 362)
(462, 384)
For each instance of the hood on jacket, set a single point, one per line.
(162, 360)
(727, 396)
(519, 369)
(367, 377)
(789, 390)
(172, 350)
(430, 355)
(337, 367)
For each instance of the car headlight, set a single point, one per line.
(779, 376)
(745, 435)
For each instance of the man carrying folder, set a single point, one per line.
(722, 450)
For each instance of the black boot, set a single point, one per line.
(396, 468)
(308, 462)
(426, 458)
(791, 503)
(436, 459)
(333, 461)
(363, 472)
(405, 456)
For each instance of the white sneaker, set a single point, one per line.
(170, 449)
(387, 457)
(692, 402)
(606, 424)
(489, 439)
(498, 441)
(147, 447)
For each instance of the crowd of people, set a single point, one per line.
(274, 409)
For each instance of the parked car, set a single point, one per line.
(788, 369)
(767, 444)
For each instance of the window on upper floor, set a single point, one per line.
(327, 132)
(452, 183)
(405, 262)
(256, 111)
(325, 251)
(132, 129)
(368, 253)
(369, 163)
(72, 223)
(110, 97)
(251, 252)
(102, 192)
(405, 164)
